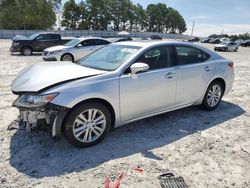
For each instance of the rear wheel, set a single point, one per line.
(213, 95)
(87, 124)
(67, 57)
(27, 51)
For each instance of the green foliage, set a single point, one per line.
(244, 36)
(26, 14)
(123, 15)
(71, 14)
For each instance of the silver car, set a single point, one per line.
(75, 49)
(226, 46)
(117, 84)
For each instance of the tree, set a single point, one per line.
(28, 14)
(123, 15)
(140, 18)
(71, 14)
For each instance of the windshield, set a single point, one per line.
(72, 42)
(34, 36)
(109, 57)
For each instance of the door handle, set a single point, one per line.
(170, 75)
(207, 68)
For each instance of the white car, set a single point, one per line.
(226, 46)
(74, 49)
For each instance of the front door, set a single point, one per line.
(152, 91)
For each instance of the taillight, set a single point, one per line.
(231, 64)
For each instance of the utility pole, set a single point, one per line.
(192, 28)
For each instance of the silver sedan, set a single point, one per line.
(75, 49)
(117, 84)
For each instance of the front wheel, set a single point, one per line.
(67, 57)
(87, 124)
(27, 51)
(213, 95)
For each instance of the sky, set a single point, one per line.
(210, 16)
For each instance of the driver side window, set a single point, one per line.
(41, 37)
(157, 58)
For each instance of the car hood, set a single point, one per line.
(20, 37)
(42, 75)
(55, 48)
(221, 45)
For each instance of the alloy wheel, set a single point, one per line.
(27, 51)
(214, 95)
(89, 125)
(67, 57)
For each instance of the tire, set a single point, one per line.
(81, 130)
(67, 57)
(213, 96)
(27, 51)
(236, 49)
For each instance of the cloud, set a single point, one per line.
(203, 30)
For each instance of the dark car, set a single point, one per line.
(245, 43)
(196, 39)
(155, 37)
(124, 39)
(36, 42)
(206, 40)
(215, 41)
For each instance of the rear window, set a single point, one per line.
(190, 55)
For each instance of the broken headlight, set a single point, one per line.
(33, 101)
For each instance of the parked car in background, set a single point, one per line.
(206, 40)
(238, 42)
(36, 42)
(75, 49)
(245, 43)
(126, 38)
(195, 39)
(215, 41)
(226, 46)
(155, 37)
(119, 83)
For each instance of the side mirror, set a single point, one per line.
(78, 45)
(138, 67)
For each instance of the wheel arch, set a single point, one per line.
(221, 80)
(98, 100)
(73, 58)
(26, 46)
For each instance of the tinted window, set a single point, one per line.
(156, 58)
(88, 43)
(101, 42)
(190, 55)
(53, 37)
(41, 37)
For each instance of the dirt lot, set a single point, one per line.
(209, 149)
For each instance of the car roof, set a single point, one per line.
(149, 43)
(84, 38)
(146, 43)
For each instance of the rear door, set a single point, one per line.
(194, 72)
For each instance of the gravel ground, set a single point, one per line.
(208, 149)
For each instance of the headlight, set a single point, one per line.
(55, 52)
(15, 43)
(33, 101)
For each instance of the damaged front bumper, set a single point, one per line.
(50, 115)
